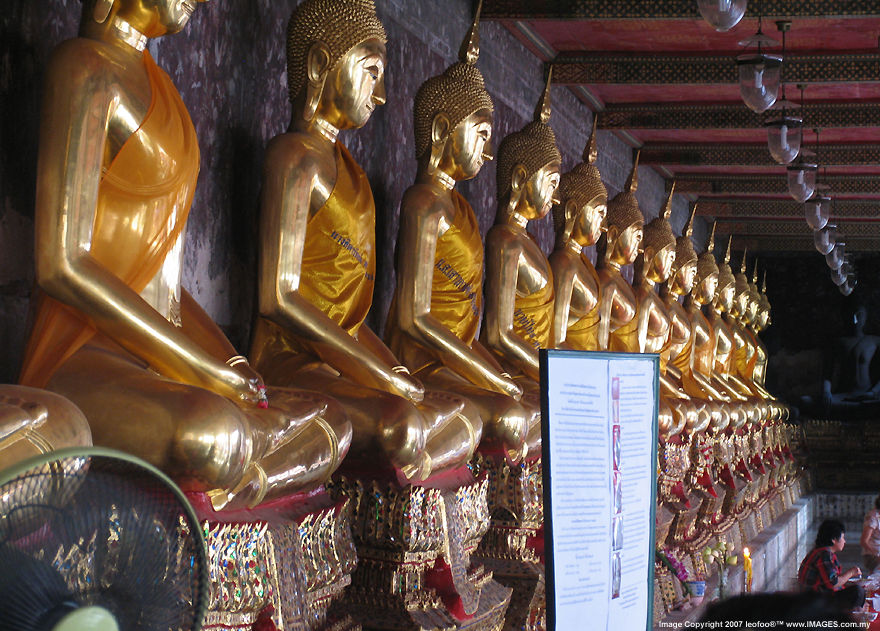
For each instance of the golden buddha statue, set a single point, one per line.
(115, 332)
(578, 220)
(620, 246)
(519, 280)
(676, 353)
(742, 313)
(762, 321)
(318, 258)
(437, 305)
(653, 325)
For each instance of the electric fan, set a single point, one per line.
(94, 539)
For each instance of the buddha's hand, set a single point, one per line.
(241, 382)
(407, 385)
(510, 387)
(287, 412)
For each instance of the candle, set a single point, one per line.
(747, 567)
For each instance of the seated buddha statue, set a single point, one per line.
(438, 299)
(114, 331)
(620, 246)
(653, 324)
(578, 220)
(519, 280)
(724, 344)
(318, 255)
(740, 315)
(676, 352)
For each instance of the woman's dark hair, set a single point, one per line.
(790, 607)
(829, 530)
(877, 502)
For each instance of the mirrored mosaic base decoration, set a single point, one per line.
(285, 560)
(513, 547)
(414, 548)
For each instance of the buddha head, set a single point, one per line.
(528, 165)
(726, 282)
(583, 200)
(152, 18)
(706, 282)
(740, 305)
(453, 116)
(336, 61)
(625, 223)
(754, 297)
(684, 267)
(764, 306)
(658, 245)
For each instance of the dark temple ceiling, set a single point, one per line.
(664, 80)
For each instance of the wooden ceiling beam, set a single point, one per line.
(665, 9)
(770, 184)
(713, 154)
(733, 116)
(587, 68)
(773, 210)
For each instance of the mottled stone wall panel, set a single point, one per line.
(229, 65)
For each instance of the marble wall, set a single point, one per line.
(229, 67)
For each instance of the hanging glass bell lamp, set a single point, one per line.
(759, 79)
(824, 239)
(723, 15)
(817, 211)
(834, 258)
(802, 180)
(847, 288)
(784, 136)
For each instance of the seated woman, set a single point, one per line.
(318, 256)
(820, 570)
(114, 331)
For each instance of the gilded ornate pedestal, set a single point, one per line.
(513, 547)
(414, 548)
(286, 560)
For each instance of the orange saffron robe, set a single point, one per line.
(144, 199)
(456, 288)
(338, 265)
(584, 334)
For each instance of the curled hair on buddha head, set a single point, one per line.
(829, 531)
(725, 274)
(742, 281)
(658, 233)
(684, 247)
(623, 209)
(582, 184)
(533, 147)
(340, 25)
(457, 93)
(706, 265)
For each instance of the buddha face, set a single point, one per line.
(740, 303)
(683, 282)
(705, 292)
(467, 147)
(354, 86)
(628, 243)
(661, 264)
(157, 17)
(590, 221)
(538, 193)
(724, 297)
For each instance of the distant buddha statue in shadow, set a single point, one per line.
(850, 380)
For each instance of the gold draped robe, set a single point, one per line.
(584, 334)
(144, 198)
(338, 266)
(456, 289)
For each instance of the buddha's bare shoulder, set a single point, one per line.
(298, 151)
(424, 199)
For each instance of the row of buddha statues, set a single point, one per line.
(116, 334)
